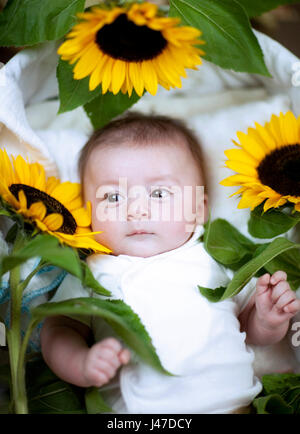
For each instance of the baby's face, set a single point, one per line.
(144, 197)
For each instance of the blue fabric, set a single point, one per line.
(55, 277)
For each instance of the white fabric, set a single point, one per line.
(216, 102)
(198, 341)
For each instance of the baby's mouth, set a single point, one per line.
(139, 232)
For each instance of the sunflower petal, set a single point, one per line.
(107, 75)
(242, 168)
(82, 217)
(149, 76)
(96, 76)
(275, 127)
(38, 176)
(234, 180)
(53, 221)
(289, 128)
(51, 184)
(250, 200)
(22, 200)
(87, 62)
(118, 76)
(6, 168)
(136, 78)
(82, 242)
(22, 171)
(251, 146)
(273, 202)
(38, 210)
(242, 156)
(66, 192)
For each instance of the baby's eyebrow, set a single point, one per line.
(165, 178)
(109, 183)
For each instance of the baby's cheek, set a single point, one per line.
(176, 233)
(159, 211)
(167, 210)
(106, 216)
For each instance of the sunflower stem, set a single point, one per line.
(14, 334)
(21, 381)
(14, 343)
(26, 281)
(17, 347)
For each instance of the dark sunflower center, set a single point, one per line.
(52, 205)
(126, 41)
(280, 170)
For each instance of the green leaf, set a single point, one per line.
(271, 223)
(257, 7)
(94, 402)
(12, 233)
(272, 404)
(56, 398)
(249, 270)
(47, 394)
(6, 212)
(48, 248)
(226, 244)
(281, 394)
(116, 313)
(105, 107)
(289, 262)
(230, 41)
(73, 93)
(90, 281)
(280, 383)
(28, 22)
(242, 277)
(212, 295)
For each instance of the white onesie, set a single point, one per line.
(195, 339)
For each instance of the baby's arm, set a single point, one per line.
(65, 350)
(266, 318)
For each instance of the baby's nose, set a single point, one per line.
(138, 209)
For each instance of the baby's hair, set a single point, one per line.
(142, 129)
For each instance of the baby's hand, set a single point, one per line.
(275, 302)
(103, 360)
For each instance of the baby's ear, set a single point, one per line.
(202, 209)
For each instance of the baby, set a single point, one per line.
(143, 177)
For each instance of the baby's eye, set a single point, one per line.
(160, 193)
(113, 197)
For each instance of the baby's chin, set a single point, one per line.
(144, 249)
(141, 252)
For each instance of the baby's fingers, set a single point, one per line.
(262, 284)
(282, 294)
(292, 307)
(110, 349)
(105, 368)
(124, 356)
(277, 277)
(110, 356)
(111, 343)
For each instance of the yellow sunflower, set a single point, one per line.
(267, 163)
(55, 207)
(125, 48)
